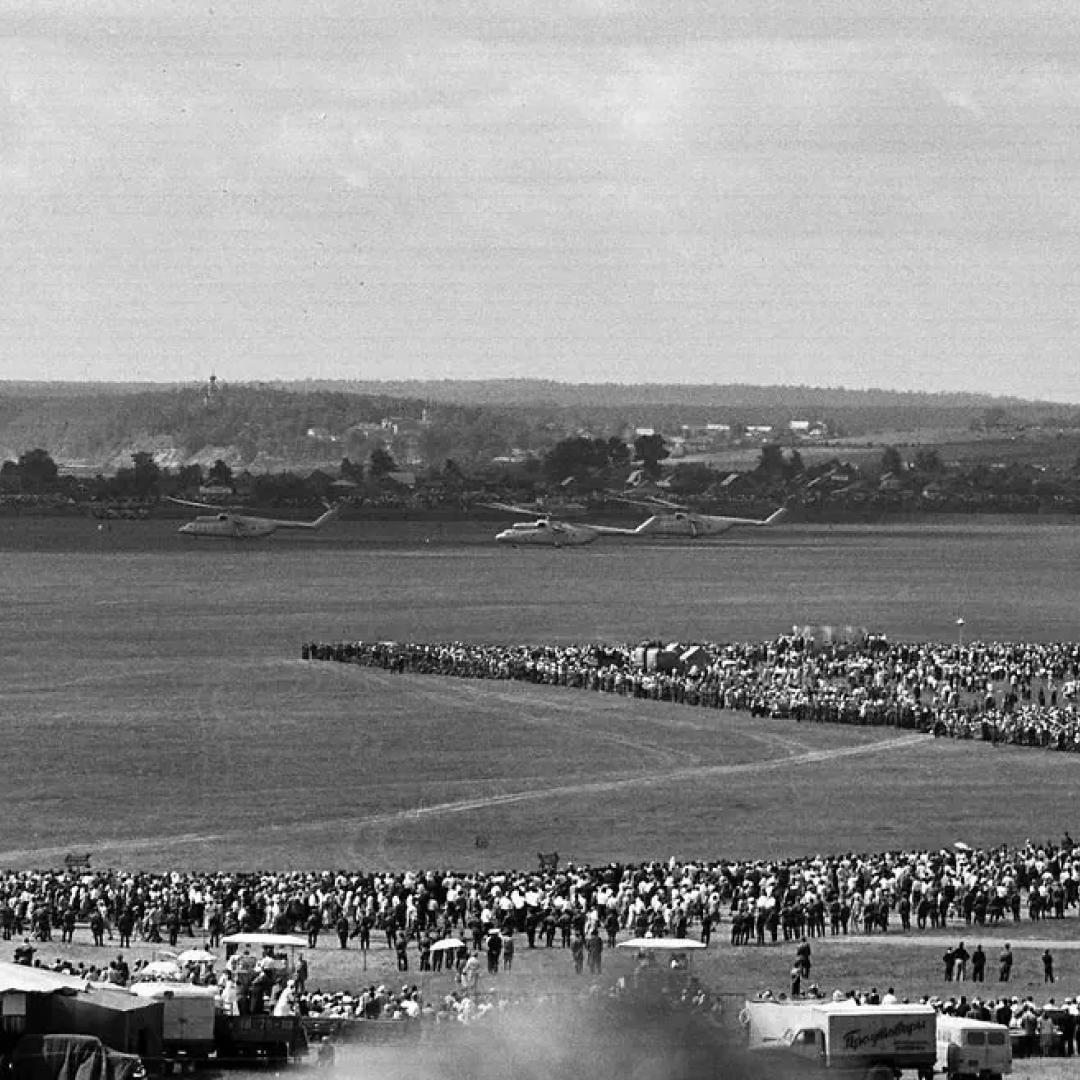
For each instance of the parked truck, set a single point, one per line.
(973, 1049)
(857, 1042)
(188, 1019)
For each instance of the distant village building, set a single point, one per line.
(517, 456)
(808, 429)
(403, 425)
(699, 438)
(891, 481)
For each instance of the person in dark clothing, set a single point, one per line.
(960, 962)
(904, 910)
(550, 925)
(947, 959)
(260, 987)
(1066, 1022)
(125, 925)
(706, 928)
(594, 949)
(214, 928)
(611, 925)
(802, 955)
(577, 952)
(1005, 963)
(566, 925)
(314, 925)
(342, 928)
(1048, 966)
(363, 931)
(494, 952)
(978, 965)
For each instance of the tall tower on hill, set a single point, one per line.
(211, 391)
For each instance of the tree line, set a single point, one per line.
(583, 467)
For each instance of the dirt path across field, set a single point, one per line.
(103, 847)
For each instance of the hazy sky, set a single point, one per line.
(841, 192)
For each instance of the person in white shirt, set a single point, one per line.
(286, 1002)
(229, 996)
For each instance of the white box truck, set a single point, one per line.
(862, 1042)
(973, 1049)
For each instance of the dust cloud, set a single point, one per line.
(593, 1039)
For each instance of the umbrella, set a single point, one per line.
(961, 846)
(195, 956)
(662, 944)
(448, 943)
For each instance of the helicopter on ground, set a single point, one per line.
(547, 531)
(678, 520)
(227, 524)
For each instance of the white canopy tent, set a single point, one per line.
(661, 944)
(284, 941)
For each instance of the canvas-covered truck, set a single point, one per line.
(188, 1018)
(973, 1049)
(857, 1042)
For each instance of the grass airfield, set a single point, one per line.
(155, 712)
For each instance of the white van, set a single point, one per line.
(972, 1048)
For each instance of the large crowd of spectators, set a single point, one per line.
(1001, 693)
(553, 906)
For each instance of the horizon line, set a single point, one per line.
(524, 379)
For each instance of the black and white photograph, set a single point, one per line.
(539, 539)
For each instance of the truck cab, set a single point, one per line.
(809, 1044)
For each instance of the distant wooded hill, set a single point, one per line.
(533, 392)
(274, 426)
(618, 395)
